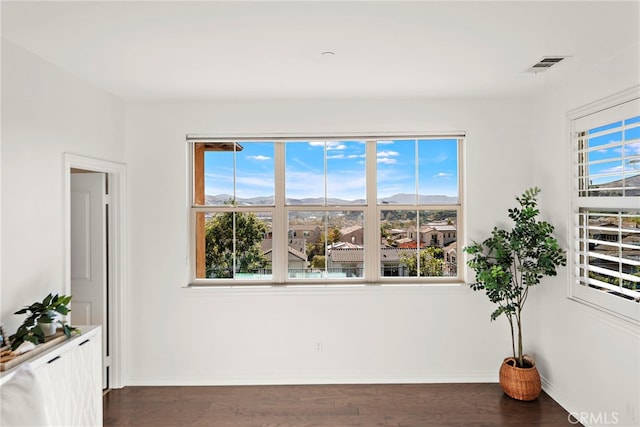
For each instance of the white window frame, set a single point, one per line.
(608, 110)
(280, 212)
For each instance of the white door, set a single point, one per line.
(89, 255)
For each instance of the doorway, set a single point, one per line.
(95, 262)
(89, 229)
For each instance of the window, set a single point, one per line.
(607, 206)
(325, 210)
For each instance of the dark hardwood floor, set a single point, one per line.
(420, 405)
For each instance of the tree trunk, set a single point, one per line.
(520, 359)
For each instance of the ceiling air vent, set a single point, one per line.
(546, 63)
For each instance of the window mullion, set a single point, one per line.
(418, 232)
(371, 217)
(416, 167)
(279, 258)
(460, 214)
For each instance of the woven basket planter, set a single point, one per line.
(520, 383)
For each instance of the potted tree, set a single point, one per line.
(41, 320)
(506, 265)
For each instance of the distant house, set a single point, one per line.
(397, 233)
(438, 234)
(297, 256)
(299, 244)
(409, 244)
(343, 245)
(311, 233)
(447, 233)
(450, 255)
(609, 241)
(353, 234)
(296, 260)
(351, 261)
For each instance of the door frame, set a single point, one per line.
(117, 266)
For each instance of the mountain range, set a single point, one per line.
(396, 199)
(632, 183)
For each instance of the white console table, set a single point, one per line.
(70, 376)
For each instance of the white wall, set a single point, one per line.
(590, 361)
(45, 112)
(215, 336)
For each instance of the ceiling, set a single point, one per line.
(145, 51)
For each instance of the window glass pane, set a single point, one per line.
(419, 243)
(438, 171)
(632, 133)
(219, 173)
(630, 251)
(255, 183)
(605, 153)
(346, 173)
(244, 176)
(605, 127)
(305, 173)
(345, 245)
(606, 172)
(396, 172)
(305, 237)
(608, 138)
(632, 120)
(613, 252)
(325, 244)
(237, 245)
(613, 171)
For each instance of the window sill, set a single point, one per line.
(593, 305)
(324, 288)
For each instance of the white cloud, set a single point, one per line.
(388, 153)
(355, 156)
(615, 169)
(443, 175)
(336, 156)
(331, 145)
(387, 161)
(632, 149)
(259, 157)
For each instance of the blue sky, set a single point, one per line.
(435, 173)
(345, 177)
(436, 169)
(254, 175)
(613, 170)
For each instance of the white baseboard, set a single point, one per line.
(558, 396)
(491, 377)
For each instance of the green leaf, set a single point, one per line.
(62, 309)
(47, 300)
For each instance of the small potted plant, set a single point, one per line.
(506, 265)
(41, 320)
